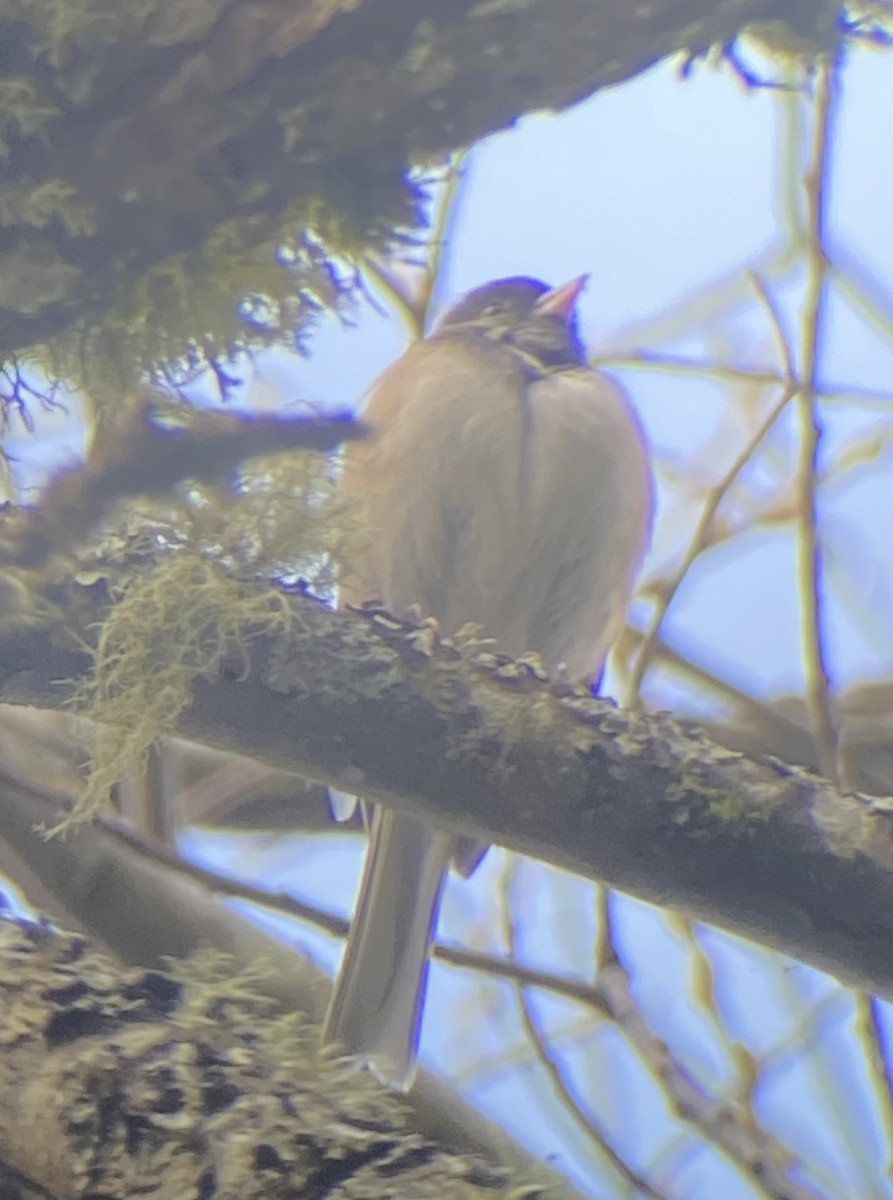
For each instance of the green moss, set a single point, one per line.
(171, 627)
(70, 34)
(39, 204)
(189, 308)
(175, 623)
(33, 276)
(23, 112)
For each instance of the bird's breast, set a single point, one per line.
(522, 506)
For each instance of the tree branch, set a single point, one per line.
(131, 135)
(146, 913)
(490, 748)
(115, 1081)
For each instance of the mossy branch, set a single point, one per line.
(156, 154)
(192, 1082)
(491, 748)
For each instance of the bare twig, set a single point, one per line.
(447, 207)
(871, 1036)
(610, 997)
(702, 987)
(809, 550)
(414, 307)
(715, 496)
(221, 884)
(580, 1114)
(729, 1124)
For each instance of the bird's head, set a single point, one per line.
(539, 321)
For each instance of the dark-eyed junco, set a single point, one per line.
(506, 484)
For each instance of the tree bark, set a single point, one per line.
(134, 134)
(118, 1082)
(491, 748)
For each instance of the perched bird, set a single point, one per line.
(506, 484)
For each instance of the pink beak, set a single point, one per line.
(561, 300)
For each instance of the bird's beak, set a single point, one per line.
(560, 301)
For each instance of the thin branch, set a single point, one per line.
(728, 1124)
(876, 1053)
(822, 1062)
(715, 497)
(603, 950)
(489, 747)
(221, 884)
(681, 364)
(146, 913)
(743, 1141)
(163, 445)
(388, 282)
(413, 305)
(447, 206)
(583, 1118)
(809, 550)
(702, 988)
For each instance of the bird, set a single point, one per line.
(506, 485)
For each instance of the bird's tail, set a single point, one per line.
(376, 1008)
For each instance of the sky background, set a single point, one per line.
(665, 191)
